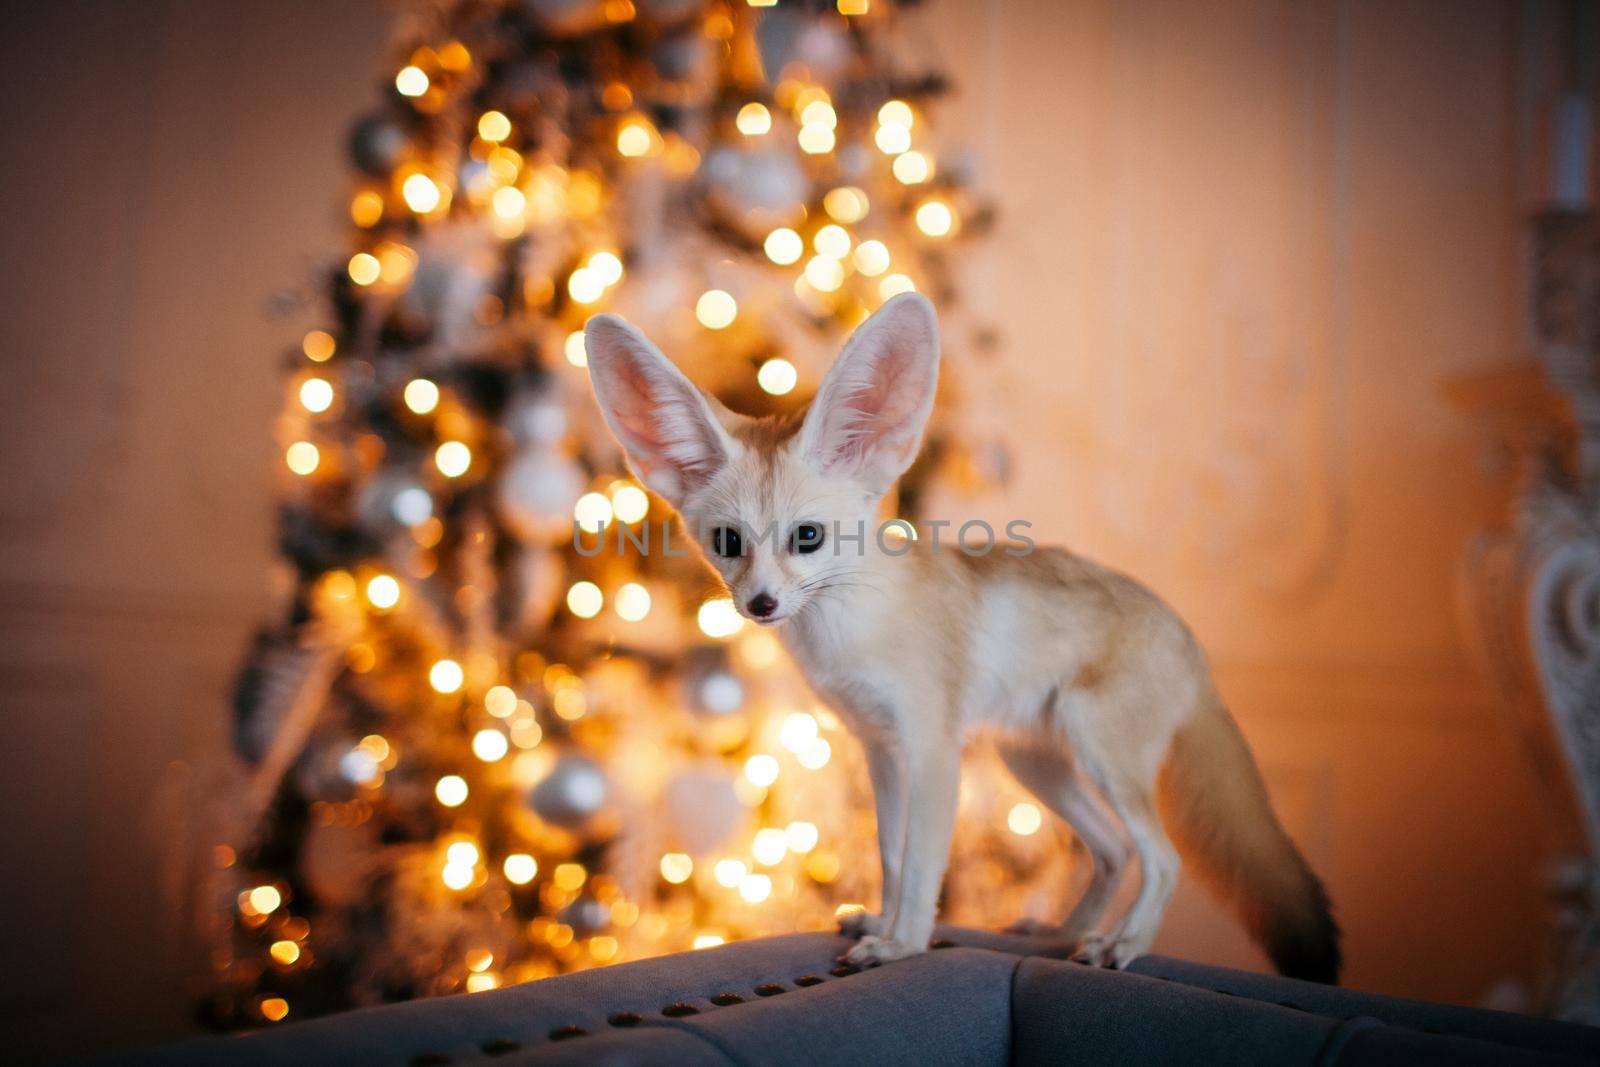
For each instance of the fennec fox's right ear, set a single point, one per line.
(666, 426)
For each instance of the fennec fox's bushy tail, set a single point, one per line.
(1216, 808)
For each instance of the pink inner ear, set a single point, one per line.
(880, 410)
(667, 421)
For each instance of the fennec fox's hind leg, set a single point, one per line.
(1133, 799)
(1049, 774)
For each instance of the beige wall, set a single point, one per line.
(167, 167)
(1242, 247)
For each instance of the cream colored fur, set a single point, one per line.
(1083, 676)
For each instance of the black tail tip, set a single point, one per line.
(1309, 952)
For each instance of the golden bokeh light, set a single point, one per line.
(509, 202)
(676, 867)
(754, 119)
(629, 503)
(366, 208)
(265, 899)
(316, 395)
(490, 746)
(576, 354)
(383, 592)
(892, 140)
(421, 395)
(729, 873)
(846, 204)
(719, 618)
(585, 286)
(801, 836)
(819, 113)
(421, 193)
(318, 346)
(302, 457)
(453, 458)
(494, 126)
(500, 701)
(761, 769)
(364, 268)
(451, 790)
(935, 218)
(832, 240)
(636, 137)
(783, 246)
(592, 512)
(1024, 819)
(777, 377)
(716, 309)
(520, 868)
(569, 876)
(606, 266)
(894, 285)
(446, 676)
(769, 846)
(816, 139)
(871, 258)
(824, 273)
(632, 602)
(411, 81)
(896, 113)
(585, 600)
(912, 168)
(815, 756)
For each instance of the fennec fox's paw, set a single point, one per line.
(873, 950)
(1103, 951)
(862, 924)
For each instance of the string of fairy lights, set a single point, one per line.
(528, 760)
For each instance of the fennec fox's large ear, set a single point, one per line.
(866, 421)
(666, 425)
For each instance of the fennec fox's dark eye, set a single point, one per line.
(727, 542)
(807, 538)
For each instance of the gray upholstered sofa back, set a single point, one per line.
(983, 999)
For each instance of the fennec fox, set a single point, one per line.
(1094, 689)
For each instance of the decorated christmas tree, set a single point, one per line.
(480, 750)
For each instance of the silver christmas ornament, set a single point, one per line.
(536, 494)
(574, 792)
(378, 145)
(756, 190)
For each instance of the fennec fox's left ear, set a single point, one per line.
(666, 426)
(866, 421)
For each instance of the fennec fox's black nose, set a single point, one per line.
(762, 604)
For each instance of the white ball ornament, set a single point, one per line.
(536, 493)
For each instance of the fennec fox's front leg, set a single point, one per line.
(884, 763)
(929, 786)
